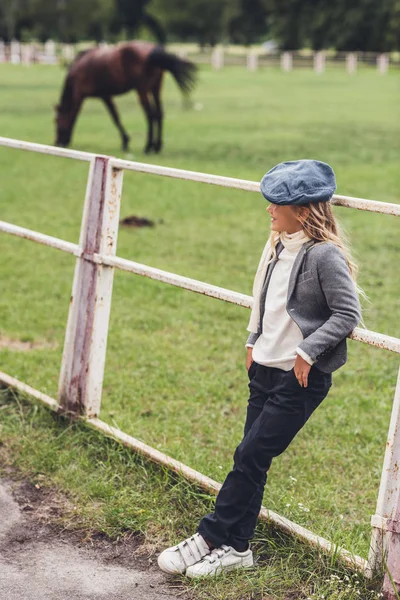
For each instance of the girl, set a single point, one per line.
(305, 305)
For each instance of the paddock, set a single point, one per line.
(84, 355)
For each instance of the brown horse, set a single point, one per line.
(106, 72)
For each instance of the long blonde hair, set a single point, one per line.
(322, 226)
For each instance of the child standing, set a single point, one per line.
(305, 305)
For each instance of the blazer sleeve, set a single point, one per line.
(342, 299)
(251, 340)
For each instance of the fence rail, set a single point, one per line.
(366, 336)
(82, 368)
(52, 53)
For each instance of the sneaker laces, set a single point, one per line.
(217, 553)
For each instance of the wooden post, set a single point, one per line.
(319, 62)
(351, 62)
(386, 521)
(287, 61)
(82, 368)
(382, 62)
(252, 61)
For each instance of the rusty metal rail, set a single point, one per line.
(228, 182)
(82, 368)
(366, 336)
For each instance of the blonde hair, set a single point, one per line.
(321, 226)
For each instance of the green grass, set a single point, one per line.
(175, 374)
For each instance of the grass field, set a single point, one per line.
(175, 374)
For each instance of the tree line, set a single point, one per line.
(363, 25)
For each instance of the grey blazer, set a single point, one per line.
(322, 300)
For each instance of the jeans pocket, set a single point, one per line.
(252, 369)
(292, 375)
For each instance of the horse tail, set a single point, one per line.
(183, 71)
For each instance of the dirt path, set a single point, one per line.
(40, 562)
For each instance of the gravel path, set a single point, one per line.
(40, 562)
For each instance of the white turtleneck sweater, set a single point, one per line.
(277, 345)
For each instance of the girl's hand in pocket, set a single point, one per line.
(301, 370)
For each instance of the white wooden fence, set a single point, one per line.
(82, 368)
(51, 53)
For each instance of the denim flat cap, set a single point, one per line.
(299, 182)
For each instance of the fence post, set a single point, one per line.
(382, 62)
(67, 53)
(351, 62)
(252, 61)
(391, 584)
(82, 367)
(50, 56)
(15, 57)
(26, 54)
(2, 51)
(217, 58)
(319, 62)
(287, 61)
(385, 531)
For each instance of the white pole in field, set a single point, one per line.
(67, 53)
(287, 61)
(27, 54)
(382, 63)
(15, 52)
(383, 530)
(217, 58)
(36, 53)
(319, 62)
(252, 61)
(2, 52)
(50, 57)
(351, 62)
(82, 367)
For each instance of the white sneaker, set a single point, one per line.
(178, 558)
(220, 559)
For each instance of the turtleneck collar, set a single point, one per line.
(293, 241)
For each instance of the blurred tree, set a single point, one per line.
(364, 25)
(287, 22)
(198, 20)
(212, 21)
(393, 31)
(9, 13)
(359, 25)
(132, 14)
(246, 21)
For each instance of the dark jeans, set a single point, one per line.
(278, 407)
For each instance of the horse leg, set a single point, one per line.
(159, 115)
(115, 117)
(148, 109)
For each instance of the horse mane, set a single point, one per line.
(67, 97)
(78, 57)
